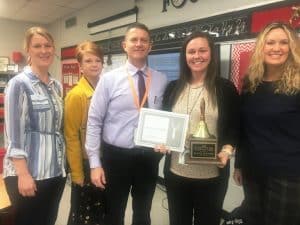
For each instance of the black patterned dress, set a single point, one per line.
(87, 202)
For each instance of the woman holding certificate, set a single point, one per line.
(196, 190)
(267, 163)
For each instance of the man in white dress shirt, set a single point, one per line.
(112, 119)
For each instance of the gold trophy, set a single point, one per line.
(203, 145)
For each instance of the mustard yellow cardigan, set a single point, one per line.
(76, 107)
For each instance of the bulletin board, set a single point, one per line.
(70, 69)
(70, 75)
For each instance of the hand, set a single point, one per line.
(223, 158)
(80, 183)
(98, 177)
(162, 149)
(237, 176)
(26, 185)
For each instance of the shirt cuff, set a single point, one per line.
(95, 162)
(16, 153)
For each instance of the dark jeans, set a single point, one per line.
(40, 209)
(194, 201)
(129, 170)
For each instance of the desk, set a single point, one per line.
(4, 200)
(6, 213)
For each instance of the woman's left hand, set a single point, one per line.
(223, 158)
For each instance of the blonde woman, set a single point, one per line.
(267, 163)
(86, 199)
(34, 164)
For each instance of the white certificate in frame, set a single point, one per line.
(161, 127)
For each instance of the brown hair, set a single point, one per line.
(137, 26)
(185, 74)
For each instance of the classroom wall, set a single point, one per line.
(150, 13)
(12, 35)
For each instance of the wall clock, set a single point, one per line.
(178, 3)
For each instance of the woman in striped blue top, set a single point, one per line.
(34, 164)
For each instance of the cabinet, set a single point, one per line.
(4, 78)
(6, 213)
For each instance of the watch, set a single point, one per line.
(178, 3)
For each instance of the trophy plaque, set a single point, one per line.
(203, 146)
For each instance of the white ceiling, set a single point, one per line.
(40, 11)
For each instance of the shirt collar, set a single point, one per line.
(34, 79)
(132, 70)
(87, 87)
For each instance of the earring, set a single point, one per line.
(29, 60)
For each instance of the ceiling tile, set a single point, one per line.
(40, 11)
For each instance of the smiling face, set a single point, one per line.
(91, 65)
(137, 45)
(276, 48)
(41, 51)
(198, 57)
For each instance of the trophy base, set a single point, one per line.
(202, 151)
(189, 160)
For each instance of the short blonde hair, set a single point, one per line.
(36, 30)
(88, 47)
(290, 80)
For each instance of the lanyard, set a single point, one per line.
(134, 92)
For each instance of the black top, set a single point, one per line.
(270, 132)
(228, 115)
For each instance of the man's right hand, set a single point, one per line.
(98, 177)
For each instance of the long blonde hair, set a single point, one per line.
(290, 80)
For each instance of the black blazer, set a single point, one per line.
(228, 116)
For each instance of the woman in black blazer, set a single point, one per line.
(196, 191)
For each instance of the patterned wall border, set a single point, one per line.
(226, 27)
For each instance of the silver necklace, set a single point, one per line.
(195, 101)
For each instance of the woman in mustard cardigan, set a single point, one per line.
(86, 199)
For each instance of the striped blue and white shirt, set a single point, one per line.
(33, 126)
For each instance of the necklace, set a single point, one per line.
(195, 101)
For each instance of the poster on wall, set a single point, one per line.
(114, 62)
(70, 75)
(167, 63)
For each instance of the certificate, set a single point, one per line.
(160, 127)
